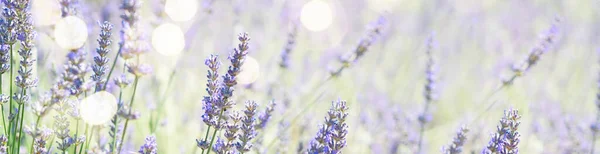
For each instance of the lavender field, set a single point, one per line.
(300, 76)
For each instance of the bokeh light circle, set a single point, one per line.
(168, 39)
(250, 71)
(45, 13)
(70, 32)
(98, 108)
(181, 10)
(316, 15)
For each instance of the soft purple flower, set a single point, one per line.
(150, 146)
(457, 143)
(265, 116)
(331, 137)
(101, 60)
(248, 132)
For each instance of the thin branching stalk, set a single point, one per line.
(135, 83)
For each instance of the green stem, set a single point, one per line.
(3, 121)
(113, 67)
(16, 139)
(37, 123)
(161, 102)
(135, 83)
(115, 122)
(87, 143)
(76, 136)
(205, 137)
(21, 127)
(86, 134)
(11, 123)
(212, 140)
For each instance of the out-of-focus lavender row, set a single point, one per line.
(208, 76)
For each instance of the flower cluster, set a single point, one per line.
(331, 137)
(506, 138)
(101, 60)
(150, 146)
(458, 142)
(363, 45)
(291, 42)
(548, 39)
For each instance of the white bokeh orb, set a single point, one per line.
(168, 39)
(70, 32)
(316, 15)
(250, 71)
(98, 108)
(181, 10)
(45, 13)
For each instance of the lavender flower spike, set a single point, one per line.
(457, 143)
(265, 116)
(291, 42)
(248, 132)
(363, 45)
(68, 7)
(429, 92)
(150, 146)
(506, 138)
(101, 60)
(212, 87)
(331, 137)
(25, 80)
(546, 42)
(3, 144)
(231, 130)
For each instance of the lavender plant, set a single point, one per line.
(595, 126)
(132, 46)
(289, 46)
(456, 147)
(506, 138)
(429, 92)
(331, 137)
(101, 60)
(373, 33)
(248, 131)
(219, 99)
(150, 146)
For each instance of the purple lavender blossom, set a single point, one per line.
(291, 42)
(231, 130)
(68, 7)
(545, 44)
(363, 45)
(457, 142)
(265, 116)
(101, 60)
(150, 146)
(506, 138)
(248, 132)
(428, 93)
(3, 143)
(27, 35)
(331, 137)
(210, 111)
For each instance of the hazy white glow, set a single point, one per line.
(168, 39)
(45, 12)
(316, 15)
(181, 10)
(98, 108)
(250, 71)
(70, 32)
(382, 5)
